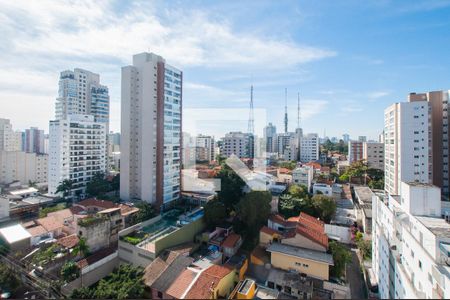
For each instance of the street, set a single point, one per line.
(355, 279)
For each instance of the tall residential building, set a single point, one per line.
(33, 140)
(355, 151)
(9, 140)
(80, 92)
(373, 154)
(151, 112)
(346, 137)
(78, 137)
(237, 143)
(309, 147)
(205, 148)
(439, 137)
(362, 138)
(407, 154)
(77, 151)
(410, 244)
(270, 138)
(284, 143)
(23, 167)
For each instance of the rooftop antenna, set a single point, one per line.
(251, 117)
(285, 112)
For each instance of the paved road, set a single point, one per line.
(355, 279)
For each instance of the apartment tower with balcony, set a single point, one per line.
(151, 112)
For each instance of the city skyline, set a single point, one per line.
(221, 56)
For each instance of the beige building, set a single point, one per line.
(373, 154)
(313, 263)
(23, 167)
(9, 140)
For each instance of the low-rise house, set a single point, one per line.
(364, 197)
(16, 236)
(245, 289)
(289, 283)
(213, 283)
(268, 235)
(313, 263)
(323, 188)
(231, 244)
(38, 234)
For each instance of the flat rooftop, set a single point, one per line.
(363, 193)
(437, 226)
(302, 253)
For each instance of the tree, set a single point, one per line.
(81, 248)
(98, 185)
(325, 207)
(341, 257)
(115, 184)
(70, 271)
(146, 212)
(8, 281)
(215, 213)
(125, 282)
(254, 209)
(298, 191)
(65, 187)
(288, 165)
(231, 186)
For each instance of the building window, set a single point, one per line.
(420, 264)
(160, 295)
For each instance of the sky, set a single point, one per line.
(348, 60)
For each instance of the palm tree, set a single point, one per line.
(81, 248)
(65, 187)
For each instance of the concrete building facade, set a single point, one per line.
(33, 141)
(23, 167)
(151, 130)
(309, 147)
(373, 154)
(355, 151)
(237, 143)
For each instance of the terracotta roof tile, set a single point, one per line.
(181, 284)
(276, 218)
(207, 281)
(96, 257)
(69, 241)
(50, 223)
(268, 230)
(37, 230)
(76, 209)
(97, 203)
(231, 240)
(315, 236)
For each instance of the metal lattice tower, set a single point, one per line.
(251, 117)
(285, 112)
(298, 111)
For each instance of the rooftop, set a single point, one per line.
(363, 193)
(231, 240)
(207, 281)
(14, 233)
(171, 273)
(437, 226)
(179, 286)
(301, 253)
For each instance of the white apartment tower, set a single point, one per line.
(77, 151)
(237, 143)
(309, 147)
(77, 138)
(151, 112)
(407, 152)
(205, 148)
(9, 140)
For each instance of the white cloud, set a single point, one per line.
(378, 94)
(312, 107)
(42, 37)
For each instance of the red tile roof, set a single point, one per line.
(276, 218)
(69, 241)
(96, 257)
(231, 240)
(284, 171)
(207, 282)
(96, 203)
(305, 218)
(314, 165)
(50, 223)
(181, 284)
(76, 209)
(268, 230)
(312, 229)
(37, 230)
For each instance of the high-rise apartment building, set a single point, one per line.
(309, 147)
(151, 112)
(77, 151)
(439, 136)
(10, 140)
(373, 154)
(410, 244)
(270, 138)
(237, 143)
(284, 143)
(346, 137)
(23, 167)
(205, 148)
(407, 151)
(78, 137)
(33, 140)
(362, 138)
(355, 151)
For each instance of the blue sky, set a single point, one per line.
(348, 59)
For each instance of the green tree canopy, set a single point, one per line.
(98, 185)
(231, 186)
(254, 209)
(146, 212)
(125, 282)
(325, 207)
(341, 257)
(65, 187)
(215, 213)
(81, 248)
(70, 271)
